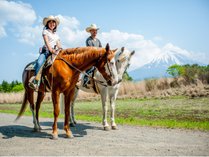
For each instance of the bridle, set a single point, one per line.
(126, 67)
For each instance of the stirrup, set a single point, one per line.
(86, 86)
(33, 84)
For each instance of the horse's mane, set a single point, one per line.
(122, 55)
(81, 53)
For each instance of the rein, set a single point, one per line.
(108, 66)
(69, 64)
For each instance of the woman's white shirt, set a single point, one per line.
(53, 38)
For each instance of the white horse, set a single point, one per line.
(122, 62)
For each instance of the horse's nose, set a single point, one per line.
(112, 83)
(109, 82)
(120, 80)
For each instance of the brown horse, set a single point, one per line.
(62, 77)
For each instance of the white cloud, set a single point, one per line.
(69, 32)
(2, 32)
(18, 14)
(145, 49)
(28, 29)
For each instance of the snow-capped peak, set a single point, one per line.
(171, 55)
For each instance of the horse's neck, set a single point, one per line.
(84, 58)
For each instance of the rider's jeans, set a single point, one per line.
(41, 60)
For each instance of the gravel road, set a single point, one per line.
(18, 138)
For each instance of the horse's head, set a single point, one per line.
(106, 66)
(122, 58)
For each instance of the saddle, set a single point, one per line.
(49, 61)
(43, 78)
(91, 84)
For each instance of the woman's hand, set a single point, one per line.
(53, 51)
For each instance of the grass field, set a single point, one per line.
(174, 112)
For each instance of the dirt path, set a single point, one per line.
(19, 139)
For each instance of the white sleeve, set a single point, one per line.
(45, 32)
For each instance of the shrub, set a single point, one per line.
(14, 86)
(162, 84)
(150, 84)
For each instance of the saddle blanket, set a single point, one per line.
(49, 61)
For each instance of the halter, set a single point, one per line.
(122, 59)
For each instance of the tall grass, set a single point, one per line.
(157, 88)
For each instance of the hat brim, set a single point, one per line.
(47, 19)
(88, 29)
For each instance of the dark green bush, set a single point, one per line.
(14, 86)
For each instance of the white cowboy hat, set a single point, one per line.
(54, 18)
(92, 26)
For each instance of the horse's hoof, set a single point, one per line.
(54, 137)
(114, 128)
(36, 129)
(69, 135)
(72, 124)
(106, 128)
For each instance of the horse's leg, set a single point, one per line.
(55, 99)
(104, 108)
(112, 97)
(38, 104)
(31, 101)
(72, 113)
(28, 97)
(68, 98)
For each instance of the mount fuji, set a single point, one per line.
(157, 67)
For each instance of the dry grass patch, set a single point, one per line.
(154, 88)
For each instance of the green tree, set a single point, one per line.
(175, 70)
(14, 86)
(126, 77)
(190, 72)
(18, 88)
(5, 86)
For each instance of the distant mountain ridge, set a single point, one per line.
(157, 67)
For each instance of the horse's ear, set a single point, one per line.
(132, 53)
(107, 47)
(122, 49)
(114, 50)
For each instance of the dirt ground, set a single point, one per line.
(18, 138)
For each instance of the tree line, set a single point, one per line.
(14, 86)
(190, 72)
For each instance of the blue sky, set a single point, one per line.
(147, 26)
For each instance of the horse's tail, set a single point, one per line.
(25, 97)
(23, 107)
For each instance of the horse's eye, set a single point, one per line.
(118, 60)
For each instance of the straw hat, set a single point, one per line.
(49, 18)
(92, 26)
